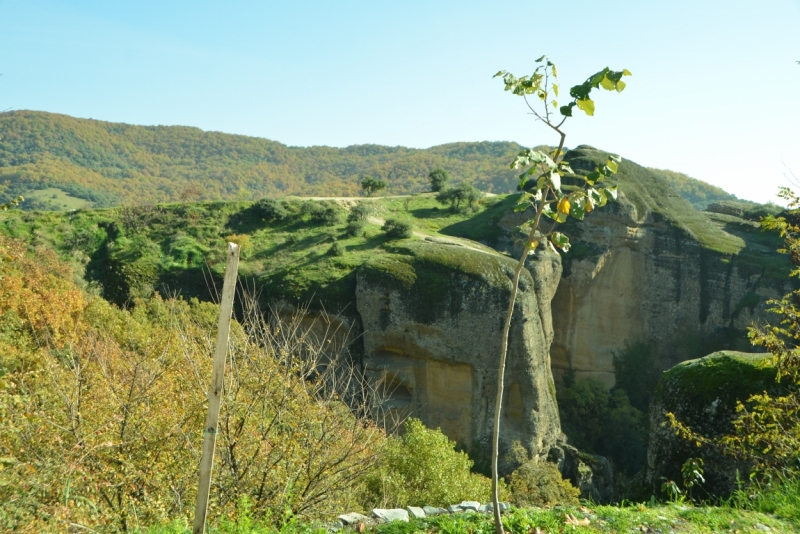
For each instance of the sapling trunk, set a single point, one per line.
(498, 403)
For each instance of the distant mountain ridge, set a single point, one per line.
(109, 163)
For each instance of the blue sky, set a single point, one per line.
(714, 93)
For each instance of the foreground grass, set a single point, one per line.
(665, 518)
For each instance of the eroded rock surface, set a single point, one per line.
(650, 268)
(432, 319)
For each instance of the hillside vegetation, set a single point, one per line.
(80, 162)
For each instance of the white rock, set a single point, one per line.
(454, 508)
(433, 510)
(470, 505)
(395, 514)
(415, 512)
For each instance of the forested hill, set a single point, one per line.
(108, 163)
(111, 162)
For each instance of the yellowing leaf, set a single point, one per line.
(607, 84)
(587, 205)
(587, 106)
(626, 72)
(620, 86)
(563, 205)
(555, 89)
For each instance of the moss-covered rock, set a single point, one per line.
(703, 394)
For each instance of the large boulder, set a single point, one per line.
(703, 394)
(432, 318)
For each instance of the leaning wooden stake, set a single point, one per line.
(215, 393)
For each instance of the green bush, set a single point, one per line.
(397, 228)
(271, 209)
(355, 228)
(603, 422)
(422, 467)
(637, 373)
(540, 484)
(336, 249)
(463, 198)
(328, 213)
(359, 212)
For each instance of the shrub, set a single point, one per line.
(463, 198)
(355, 228)
(243, 240)
(103, 409)
(271, 209)
(336, 249)
(359, 212)
(397, 228)
(422, 467)
(328, 213)
(540, 484)
(637, 373)
(604, 422)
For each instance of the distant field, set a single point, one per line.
(55, 199)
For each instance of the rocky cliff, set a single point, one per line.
(651, 268)
(432, 318)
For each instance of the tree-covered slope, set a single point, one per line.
(109, 163)
(70, 161)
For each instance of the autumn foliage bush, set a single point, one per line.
(102, 409)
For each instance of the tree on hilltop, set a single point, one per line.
(438, 178)
(370, 185)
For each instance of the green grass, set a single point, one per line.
(56, 199)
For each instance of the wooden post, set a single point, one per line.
(215, 393)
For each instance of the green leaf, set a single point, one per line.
(587, 106)
(499, 73)
(566, 169)
(612, 165)
(577, 211)
(540, 59)
(560, 240)
(607, 84)
(611, 191)
(597, 78)
(626, 72)
(567, 110)
(593, 177)
(548, 212)
(521, 206)
(615, 158)
(561, 217)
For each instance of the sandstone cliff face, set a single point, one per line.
(432, 320)
(649, 268)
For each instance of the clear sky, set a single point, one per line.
(715, 91)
